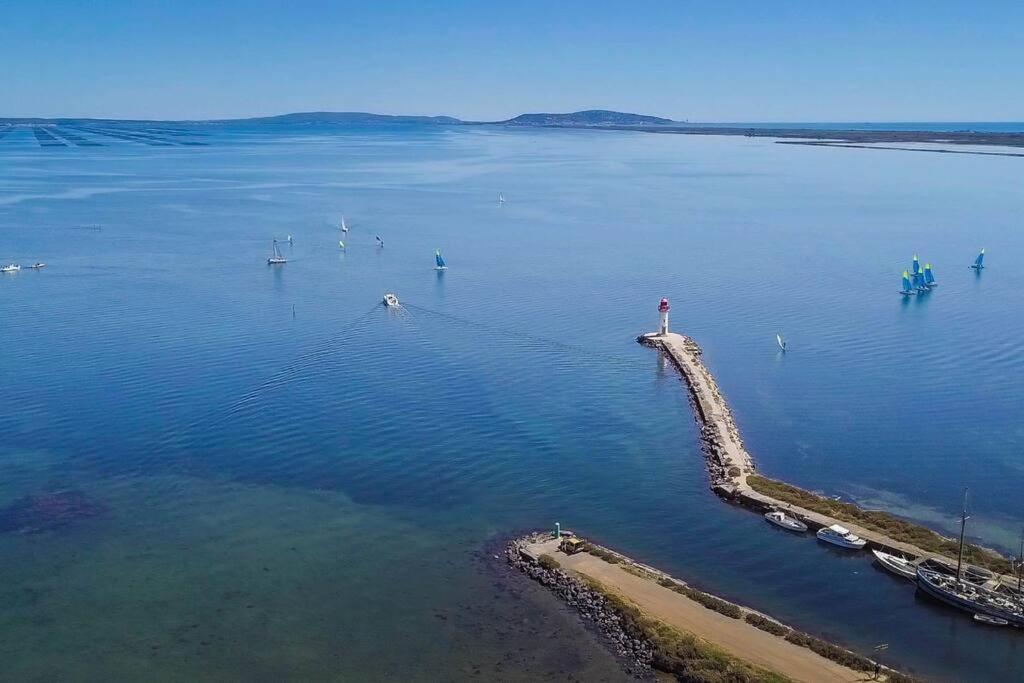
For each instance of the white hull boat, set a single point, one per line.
(900, 566)
(276, 258)
(841, 536)
(784, 521)
(10, 268)
(391, 301)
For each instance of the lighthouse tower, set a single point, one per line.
(663, 308)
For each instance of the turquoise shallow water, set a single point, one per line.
(300, 484)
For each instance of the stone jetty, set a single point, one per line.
(729, 463)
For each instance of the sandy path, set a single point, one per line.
(732, 635)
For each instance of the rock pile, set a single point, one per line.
(635, 653)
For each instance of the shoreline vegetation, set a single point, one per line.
(676, 651)
(882, 522)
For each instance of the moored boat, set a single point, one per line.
(990, 620)
(968, 597)
(784, 521)
(841, 536)
(900, 566)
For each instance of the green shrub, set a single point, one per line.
(709, 601)
(881, 522)
(769, 625)
(548, 562)
(830, 651)
(598, 551)
(687, 657)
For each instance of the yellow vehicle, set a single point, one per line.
(571, 545)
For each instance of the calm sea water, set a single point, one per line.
(302, 485)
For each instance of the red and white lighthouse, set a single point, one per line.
(663, 308)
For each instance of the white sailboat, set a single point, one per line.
(276, 258)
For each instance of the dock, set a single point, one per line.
(729, 463)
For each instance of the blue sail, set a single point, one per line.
(978, 261)
(919, 284)
(916, 266)
(929, 279)
(906, 283)
(439, 259)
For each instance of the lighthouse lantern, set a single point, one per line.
(663, 309)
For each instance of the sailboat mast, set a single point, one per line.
(1020, 563)
(963, 528)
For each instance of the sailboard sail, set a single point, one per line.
(341, 245)
(501, 197)
(344, 227)
(929, 277)
(439, 260)
(380, 242)
(781, 342)
(978, 262)
(906, 291)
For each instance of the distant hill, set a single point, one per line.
(345, 117)
(590, 117)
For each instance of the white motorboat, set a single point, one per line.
(781, 519)
(276, 258)
(990, 620)
(10, 268)
(900, 566)
(841, 536)
(37, 266)
(391, 301)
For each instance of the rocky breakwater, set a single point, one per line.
(727, 459)
(635, 653)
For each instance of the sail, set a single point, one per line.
(919, 282)
(978, 261)
(341, 244)
(906, 281)
(439, 259)
(929, 279)
(344, 228)
(916, 265)
(277, 251)
(782, 343)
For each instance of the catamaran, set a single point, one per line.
(929, 278)
(919, 283)
(439, 260)
(277, 258)
(907, 290)
(979, 262)
(915, 267)
(10, 268)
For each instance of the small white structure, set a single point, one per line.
(663, 309)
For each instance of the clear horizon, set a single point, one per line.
(788, 62)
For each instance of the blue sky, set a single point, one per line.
(702, 61)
